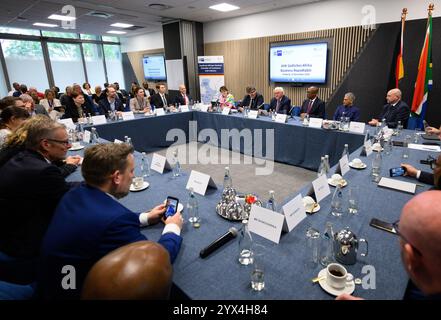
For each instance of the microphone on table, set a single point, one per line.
(216, 244)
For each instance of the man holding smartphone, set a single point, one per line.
(432, 178)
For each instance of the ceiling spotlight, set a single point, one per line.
(121, 25)
(116, 32)
(224, 7)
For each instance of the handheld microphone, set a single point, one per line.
(216, 244)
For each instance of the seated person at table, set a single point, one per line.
(347, 109)
(51, 104)
(11, 118)
(89, 221)
(137, 271)
(160, 99)
(77, 107)
(226, 99)
(432, 178)
(280, 103)
(395, 110)
(313, 106)
(139, 103)
(182, 98)
(252, 100)
(111, 103)
(30, 105)
(420, 245)
(433, 131)
(31, 187)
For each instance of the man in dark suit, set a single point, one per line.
(395, 110)
(280, 103)
(30, 188)
(431, 178)
(313, 106)
(89, 222)
(182, 98)
(252, 100)
(111, 103)
(160, 99)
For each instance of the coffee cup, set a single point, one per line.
(138, 182)
(357, 162)
(336, 275)
(376, 146)
(309, 203)
(336, 178)
(76, 145)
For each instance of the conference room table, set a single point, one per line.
(288, 267)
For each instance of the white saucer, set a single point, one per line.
(377, 150)
(144, 186)
(77, 148)
(344, 184)
(363, 166)
(350, 286)
(316, 209)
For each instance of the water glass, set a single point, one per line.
(407, 140)
(313, 238)
(416, 135)
(258, 268)
(353, 199)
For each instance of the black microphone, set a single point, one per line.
(232, 233)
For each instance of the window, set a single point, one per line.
(27, 32)
(3, 89)
(25, 63)
(110, 39)
(93, 55)
(114, 64)
(56, 34)
(89, 37)
(66, 63)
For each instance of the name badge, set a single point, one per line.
(159, 111)
(321, 188)
(204, 107)
(357, 127)
(117, 141)
(253, 114)
(281, 118)
(266, 223)
(368, 147)
(99, 120)
(68, 123)
(128, 115)
(315, 122)
(294, 212)
(159, 163)
(226, 111)
(185, 108)
(200, 182)
(86, 136)
(344, 165)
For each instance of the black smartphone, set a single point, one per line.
(382, 225)
(397, 172)
(171, 206)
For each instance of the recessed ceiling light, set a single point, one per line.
(116, 32)
(121, 25)
(41, 24)
(61, 18)
(224, 7)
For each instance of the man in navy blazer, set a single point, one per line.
(182, 98)
(313, 106)
(280, 103)
(89, 222)
(111, 103)
(395, 110)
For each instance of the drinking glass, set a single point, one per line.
(313, 238)
(258, 268)
(353, 199)
(407, 140)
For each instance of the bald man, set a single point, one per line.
(182, 98)
(280, 103)
(395, 110)
(420, 243)
(137, 271)
(313, 106)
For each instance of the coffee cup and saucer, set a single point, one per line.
(76, 146)
(139, 184)
(310, 205)
(357, 164)
(337, 179)
(335, 280)
(377, 147)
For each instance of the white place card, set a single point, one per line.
(368, 147)
(321, 188)
(185, 108)
(117, 141)
(252, 114)
(200, 182)
(86, 136)
(281, 118)
(204, 107)
(226, 111)
(159, 163)
(294, 212)
(159, 111)
(315, 122)
(266, 223)
(423, 147)
(99, 119)
(344, 165)
(128, 115)
(397, 185)
(357, 127)
(68, 123)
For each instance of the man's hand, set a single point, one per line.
(75, 160)
(433, 131)
(345, 296)
(373, 122)
(410, 170)
(176, 219)
(156, 214)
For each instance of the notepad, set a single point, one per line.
(424, 147)
(397, 185)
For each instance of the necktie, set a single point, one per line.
(251, 103)
(277, 106)
(309, 107)
(185, 99)
(164, 101)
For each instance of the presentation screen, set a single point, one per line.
(298, 63)
(154, 68)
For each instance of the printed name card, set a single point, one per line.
(185, 108)
(86, 136)
(344, 165)
(128, 115)
(281, 118)
(200, 182)
(226, 111)
(252, 114)
(315, 122)
(266, 223)
(294, 212)
(204, 107)
(357, 127)
(117, 141)
(99, 120)
(368, 147)
(68, 123)
(159, 111)
(321, 188)
(159, 163)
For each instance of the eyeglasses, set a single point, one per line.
(64, 142)
(397, 230)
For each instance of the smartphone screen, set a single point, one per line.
(385, 226)
(397, 172)
(171, 206)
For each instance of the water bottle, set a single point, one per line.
(271, 203)
(176, 165)
(321, 169)
(337, 202)
(345, 151)
(376, 167)
(145, 166)
(245, 245)
(94, 135)
(388, 147)
(192, 209)
(246, 112)
(228, 182)
(129, 141)
(327, 252)
(326, 164)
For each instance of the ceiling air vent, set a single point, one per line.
(99, 14)
(159, 6)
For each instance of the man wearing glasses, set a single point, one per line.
(30, 189)
(432, 178)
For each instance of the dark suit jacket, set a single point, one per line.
(104, 106)
(285, 105)
(317, 109)
(87, 225)
(72, 111)
(180, 99)
(393, 114)
(256, 102)
(427, 177)
(157, 101)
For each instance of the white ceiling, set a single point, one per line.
(134, 12)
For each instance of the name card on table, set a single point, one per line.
(117, 141)
(226, 111)
(294, 212)
(128, 115)
(344, 165)
(185, 108)
(397, 185)
(315, 122)
(266, 223)
(86, 136)
(99, 120)
(281, 118)
(321, 188)
(367, 149)
(159, 111)
(200, 182)
(159, 163)
(357, 127)
(424, 147)
(252, 114)
(204, 107)
(68, 123)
